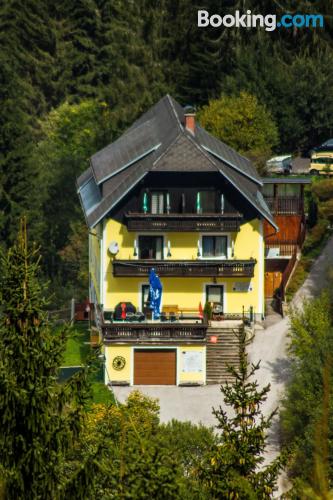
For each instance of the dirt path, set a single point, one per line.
(270, 345)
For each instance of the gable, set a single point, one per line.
(183, 155)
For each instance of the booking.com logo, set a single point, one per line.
(270, 21)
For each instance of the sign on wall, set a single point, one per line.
(192, 361)
(242, 286)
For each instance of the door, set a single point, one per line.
(214, 293)
(272, 282)
(154, 367)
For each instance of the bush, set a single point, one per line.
(323, 189)
(326, 210)
(311, 341)
(315, 236)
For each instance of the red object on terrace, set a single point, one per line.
(213, 339)
(123, 310)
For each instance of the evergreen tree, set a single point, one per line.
(26, 55)
(40, 420)
(234, 466)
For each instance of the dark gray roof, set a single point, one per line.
(286, 180)
(158, 141)
(125, 151)
(184, 155)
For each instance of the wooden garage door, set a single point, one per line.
(154, 367)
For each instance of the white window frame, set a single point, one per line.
(229, 250)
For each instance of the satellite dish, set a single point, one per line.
(113, 248)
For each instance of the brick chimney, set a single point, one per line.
(189, 116)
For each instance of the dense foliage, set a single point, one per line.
(307, 413)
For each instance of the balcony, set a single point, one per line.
(276, 248)
(229, 222)
(185, 268)
(134, 332)
(287, 205)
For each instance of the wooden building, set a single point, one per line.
(285, 199)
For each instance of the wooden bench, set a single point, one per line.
(189, 313)
(170, 309)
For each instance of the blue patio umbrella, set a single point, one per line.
(155, 293)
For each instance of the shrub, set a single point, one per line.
(323, 189)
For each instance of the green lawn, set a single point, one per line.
(77, 351)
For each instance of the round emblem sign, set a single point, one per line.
(118, 362)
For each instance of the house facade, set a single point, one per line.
(169, 196)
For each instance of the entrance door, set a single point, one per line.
(214, 293)
(155, 367)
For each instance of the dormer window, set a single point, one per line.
(158, 202)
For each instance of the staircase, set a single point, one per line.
(222, 353)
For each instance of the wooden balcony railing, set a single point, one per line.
(185, 268)
(183, 222)
(287, 205)
(285, 248)
(153, 331)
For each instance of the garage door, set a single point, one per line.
(155, 367)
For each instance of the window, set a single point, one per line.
(323, 160)
(160, 202)
(214, 293)
(144, 296)
(151, 247)
(206, 202)
(214, 246)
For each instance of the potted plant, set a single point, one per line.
(208, 312)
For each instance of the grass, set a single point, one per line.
(76, 354)
(76, 350)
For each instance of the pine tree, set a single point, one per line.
(234, 467)
(40, 420)
(26, 69)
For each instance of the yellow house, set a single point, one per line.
(169, 196)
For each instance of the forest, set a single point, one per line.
(74, 75)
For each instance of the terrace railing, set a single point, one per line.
(184, 222)
(185, 268)
(286, 205)
(152, 331)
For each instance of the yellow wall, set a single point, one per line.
(95, 259)
(111, 352)
(199, 376)
(126, 351)
(185, 292)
